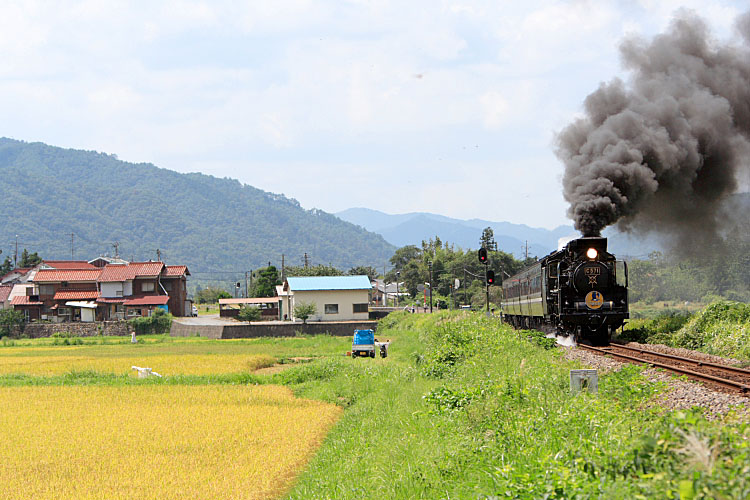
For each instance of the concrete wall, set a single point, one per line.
(38, 330)
(344, 298)
(276, 329)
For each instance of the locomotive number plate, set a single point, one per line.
(594, 300)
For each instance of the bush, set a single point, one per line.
(722, 328)
(159, 322)
(10, 320)
(304, 310)
(657, 330)
(248, 313)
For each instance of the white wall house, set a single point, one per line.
(336, 298)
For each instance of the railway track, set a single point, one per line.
(726, 377)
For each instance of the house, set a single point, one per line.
(337, 298)
(18, 275)
(103, 260)
(137, 288)
(67, 294)
(174, 282)
(5, 296)
(384, 292)
(285, 304)
(80, 291)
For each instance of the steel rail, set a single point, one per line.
(701, 376)
(733, 369)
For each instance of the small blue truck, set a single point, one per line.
(364, 343)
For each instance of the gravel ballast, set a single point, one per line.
(680, 394)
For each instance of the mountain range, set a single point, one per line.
(65, 203)
(412, 228)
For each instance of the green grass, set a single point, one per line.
(466, 408)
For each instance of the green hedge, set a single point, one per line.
(159, 322)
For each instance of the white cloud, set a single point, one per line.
(359, 92)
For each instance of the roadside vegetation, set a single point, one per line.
(722, 328)
(467, 408)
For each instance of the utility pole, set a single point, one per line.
(527, 249)
(487, 287)
(15, 257)
(430, 264)
(116, 244)
(464, 286)
(251, 275)
(398, 274)
(283, 269)
(71, 246)
(307, 260)
(158, 255)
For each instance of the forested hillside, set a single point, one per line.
(210, 224)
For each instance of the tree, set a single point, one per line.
(6, 267)
(319, 270)
(487, 239)
(10, 318)
(211, 295)
(29, 260)
(265, 281)
(304, 310)
(249, 313)
(368, 271)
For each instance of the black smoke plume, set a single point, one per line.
(663, 151)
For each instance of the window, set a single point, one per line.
(147, 287)
(332, 308)
(46, 289)
(360, 308)
(118, 293)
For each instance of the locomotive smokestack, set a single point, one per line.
(663, 151)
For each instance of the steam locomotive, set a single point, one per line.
(581, 290)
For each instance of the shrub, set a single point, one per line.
(304, 310)
(248, 313)
(10, 320)
(722, 328)
(159, 322)
(657, 330)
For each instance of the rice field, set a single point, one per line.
(103, 438)
(156, 441)
(164, 364)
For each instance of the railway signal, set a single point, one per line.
(490, 277)
(483, 255)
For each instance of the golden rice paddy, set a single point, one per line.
(164, 364)
(148, 442)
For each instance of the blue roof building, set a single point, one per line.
(336, 298)
(308, 283)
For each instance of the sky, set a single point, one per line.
(449, 107)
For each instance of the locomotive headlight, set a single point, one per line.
(591, 253)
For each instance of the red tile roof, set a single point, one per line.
(57, 275)
(121, 272)
(147, 300)
(76, 294)
(110, 300)
(69, 264)
(173, 271)
(24, 300)
(4, 292)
